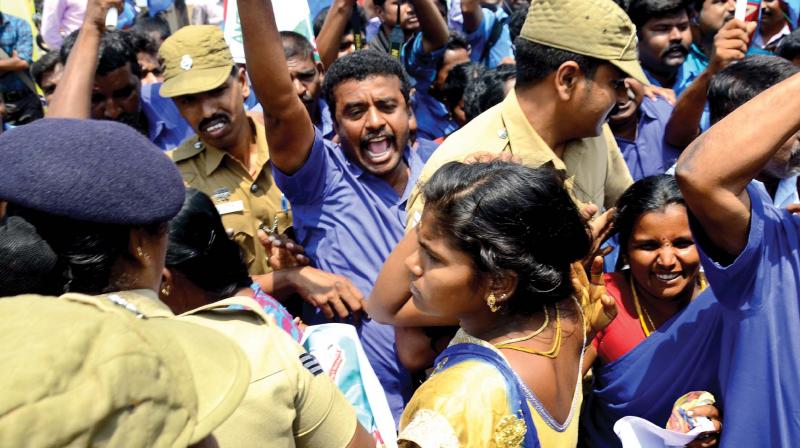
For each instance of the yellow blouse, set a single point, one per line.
(467, 406)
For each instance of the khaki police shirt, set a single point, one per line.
(245, 203)
(286, 406)
(595, 168)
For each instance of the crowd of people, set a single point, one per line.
(421, 223)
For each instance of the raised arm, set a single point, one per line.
(330, 36)
(473, 15)
(290, 133)
(390, 301)
(730, 44)
(432, 24)
(715, 169)
(73, 96)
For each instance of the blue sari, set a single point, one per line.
(683, 355)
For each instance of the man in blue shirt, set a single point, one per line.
(741, 82)
(22, 101)
(307, 79)
(348, 200)
(638, 125)
(750, 251)
(726, 40)
(429, 72)
(664, 39)
(117, 92)
(486, 26)
(487, 42)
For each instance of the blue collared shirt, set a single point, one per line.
(349, 221)
(165, 125)
(15, 35)
(649, 155)
(759, 364)
(478, 39)
(433, 118)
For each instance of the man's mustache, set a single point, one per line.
(675, 47)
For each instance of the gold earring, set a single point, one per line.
(139, 251)
(165, 290)
(492, 302)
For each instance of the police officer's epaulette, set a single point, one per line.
(188, 149)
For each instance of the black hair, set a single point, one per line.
(536, 61)
(143, 43)
(87, 252)
(649, 194)
(695, 6)
(28, 263)
(461, 76)
(739, 83)
(116, 50)
(156, 24)
(295, 45)
(488, 90)
(199, 249)
(641, 11)
(516, 20)
(359, 66)
(319, 20)
(511, 218)
(455, 41)
(44, 64)
(790, 45)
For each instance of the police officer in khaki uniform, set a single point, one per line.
(572, 56)
(228, 159)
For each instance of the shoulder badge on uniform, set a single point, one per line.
(310, 363)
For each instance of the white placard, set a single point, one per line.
(290, 15)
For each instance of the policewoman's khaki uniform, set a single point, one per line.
(285, 405)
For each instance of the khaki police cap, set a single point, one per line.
(595, 28)
(196, 59)
(90, 371)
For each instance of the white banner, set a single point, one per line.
(290, 15)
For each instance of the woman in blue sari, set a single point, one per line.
(496, 244)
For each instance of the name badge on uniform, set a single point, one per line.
(230, 207)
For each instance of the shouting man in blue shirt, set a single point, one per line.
(750, 251)
(348, 200)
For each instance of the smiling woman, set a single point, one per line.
(663, 273)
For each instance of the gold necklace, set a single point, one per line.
(532, 335)
(641, 312)
(552, 353)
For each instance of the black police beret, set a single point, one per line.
(96, 171)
